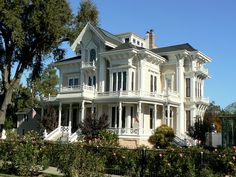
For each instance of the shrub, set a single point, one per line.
(162, 136)
(24, 155)
(75, 160)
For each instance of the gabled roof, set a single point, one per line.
(185, 46)
(108, 38)
(127, 45)
(69, 59)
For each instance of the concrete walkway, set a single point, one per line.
(53, 171)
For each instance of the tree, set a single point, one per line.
(49, 121)
(91, 125)
(162, 136)
(29, 32)
(87, 13)
(199, 129)
(46, 84)
(212, 116)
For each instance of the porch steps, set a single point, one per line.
(179, 142)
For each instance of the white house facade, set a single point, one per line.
(137, 84)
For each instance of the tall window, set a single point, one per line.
(94, 81)
(73, 82)
(123, 117)
(188, 87)
(124, 80)
(90, 81)
(169, 83)
(119, 81)
(153, 83)
(114, 81)
(92, 55)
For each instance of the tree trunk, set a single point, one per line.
(6, 99)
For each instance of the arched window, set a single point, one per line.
(92, 55)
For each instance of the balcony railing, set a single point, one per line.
(203, 100)
(136, 93)
(131, 131)
(78, 88)
(201, 70)
(89, 64)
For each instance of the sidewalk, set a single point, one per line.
(53, 171)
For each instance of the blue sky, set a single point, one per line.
(208, 25)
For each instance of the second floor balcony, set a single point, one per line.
(77, 91)
(130, 94)
(201, 71)
(89, 65)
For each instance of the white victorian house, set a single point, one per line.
(137, 84)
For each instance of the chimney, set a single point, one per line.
(151, 39)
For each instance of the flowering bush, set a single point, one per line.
(24, 155)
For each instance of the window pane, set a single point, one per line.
(92, 55)
(114, 81)
(76, 82)
(123, 117)
(124, 80)
(187, 87)
(155, 83)
(119, 81)
(151, 84)
(70, 82)
(90, 81)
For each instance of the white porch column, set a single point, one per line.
(155, 116)
(181, 94)
(141, 75)
(59, 115)
(92, 109)
(111, 81)
(168, 115)
(70, 117)
(120, 117)
(140, 117)
(82, 111)
(128, 117)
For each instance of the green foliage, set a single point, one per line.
(50, 120)
(199, 129)
(29, 32)
(75, 160)
(162, 137)
(46, 84)
(87, 12)
(23, 155)
(91, 126)
(107, 139)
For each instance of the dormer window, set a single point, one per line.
(92, 55)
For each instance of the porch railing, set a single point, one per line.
(78, 88)
(52, 135)
(130, 93)
(131, 131)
